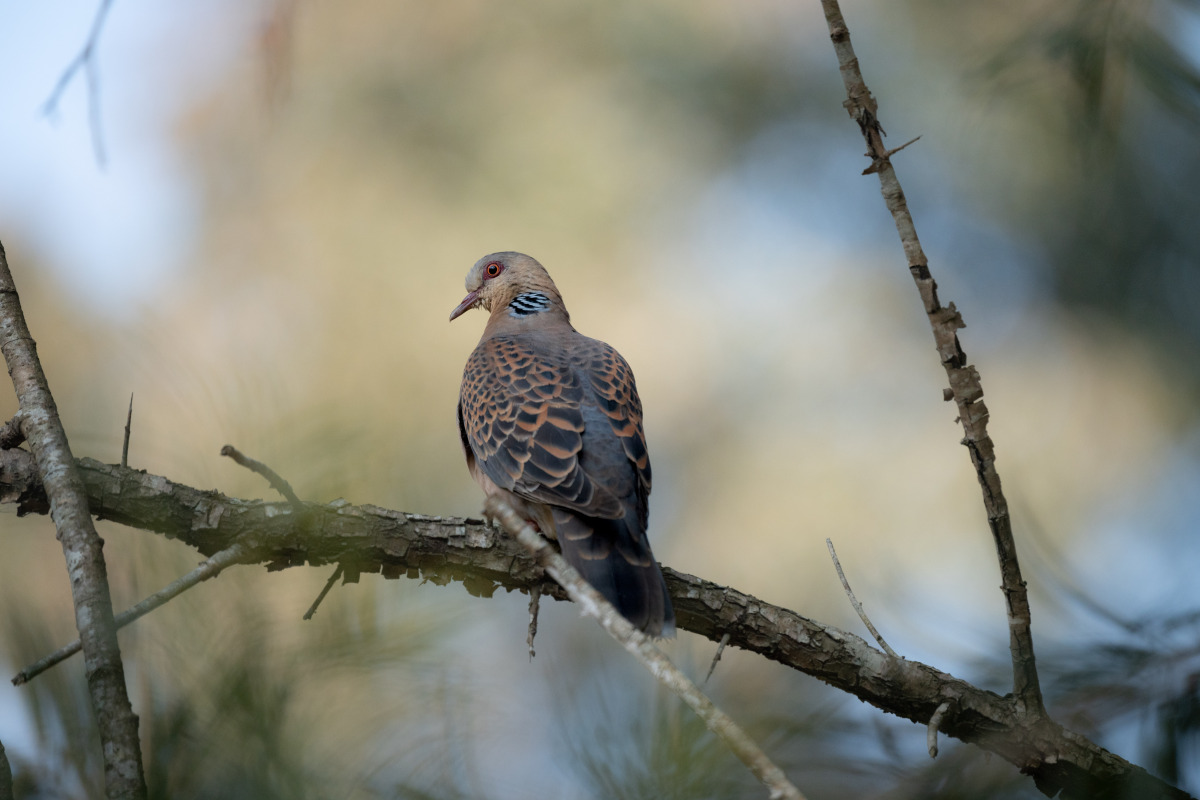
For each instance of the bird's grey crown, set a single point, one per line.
(527, 303)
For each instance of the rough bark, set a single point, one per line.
(965, 387)
(368, 539)
(82, 548)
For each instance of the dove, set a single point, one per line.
(551, 421)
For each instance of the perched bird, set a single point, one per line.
(551, 420)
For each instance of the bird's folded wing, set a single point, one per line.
(615, 393)
(522, 415)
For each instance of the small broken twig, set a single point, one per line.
(717, 657)
(128, 427)
(877, 164)
(207, 569)
(854, 601)
(277, 483)
(337, 573)
(935, 722)
(641, 647)
(535, 597)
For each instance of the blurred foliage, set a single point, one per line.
(258, 723)
(636, 744)
(237, 697)
(1110, 91)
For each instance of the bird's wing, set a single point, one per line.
(523, 408)
(615, 394)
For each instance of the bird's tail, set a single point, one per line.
(613, 555)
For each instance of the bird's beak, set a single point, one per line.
(466, 305)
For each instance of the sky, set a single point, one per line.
(113, 232)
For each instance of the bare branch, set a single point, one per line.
(337, 573)
(81, 545)
(642, 648)
(931, 731)
(964, 379)
(862, 614)
(717, 657)
(277, 483)
(128, 429)
(535, 599)
(85, 60)
(440, 550)
(235, 554)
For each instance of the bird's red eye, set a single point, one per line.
(493, 269)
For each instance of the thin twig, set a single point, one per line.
(337, 573)
(965, 386)
(895, 150)
(862, 614)
(86, 60)
(717, 656)
(128, 428)
(277, 483)
(535, 598)
(935, 722)
(82, 549)
(642, 648)
(207, 569)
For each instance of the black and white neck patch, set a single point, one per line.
(528, 303)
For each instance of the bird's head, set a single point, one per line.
(499, 279)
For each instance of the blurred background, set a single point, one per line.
(265, 230)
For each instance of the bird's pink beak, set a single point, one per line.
(466, 305)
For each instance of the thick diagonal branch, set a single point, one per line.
(81, 545)
(440, 550)
(965, 387)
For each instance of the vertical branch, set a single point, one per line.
(81, 545)
(965, 388)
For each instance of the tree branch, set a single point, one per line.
(640, 646)
(931, 733)
(858, 607)
(85, 60)
(128, 430)
(441, 550)
(81, 545)
(273, 477)
(234, 554)
(965, 387)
